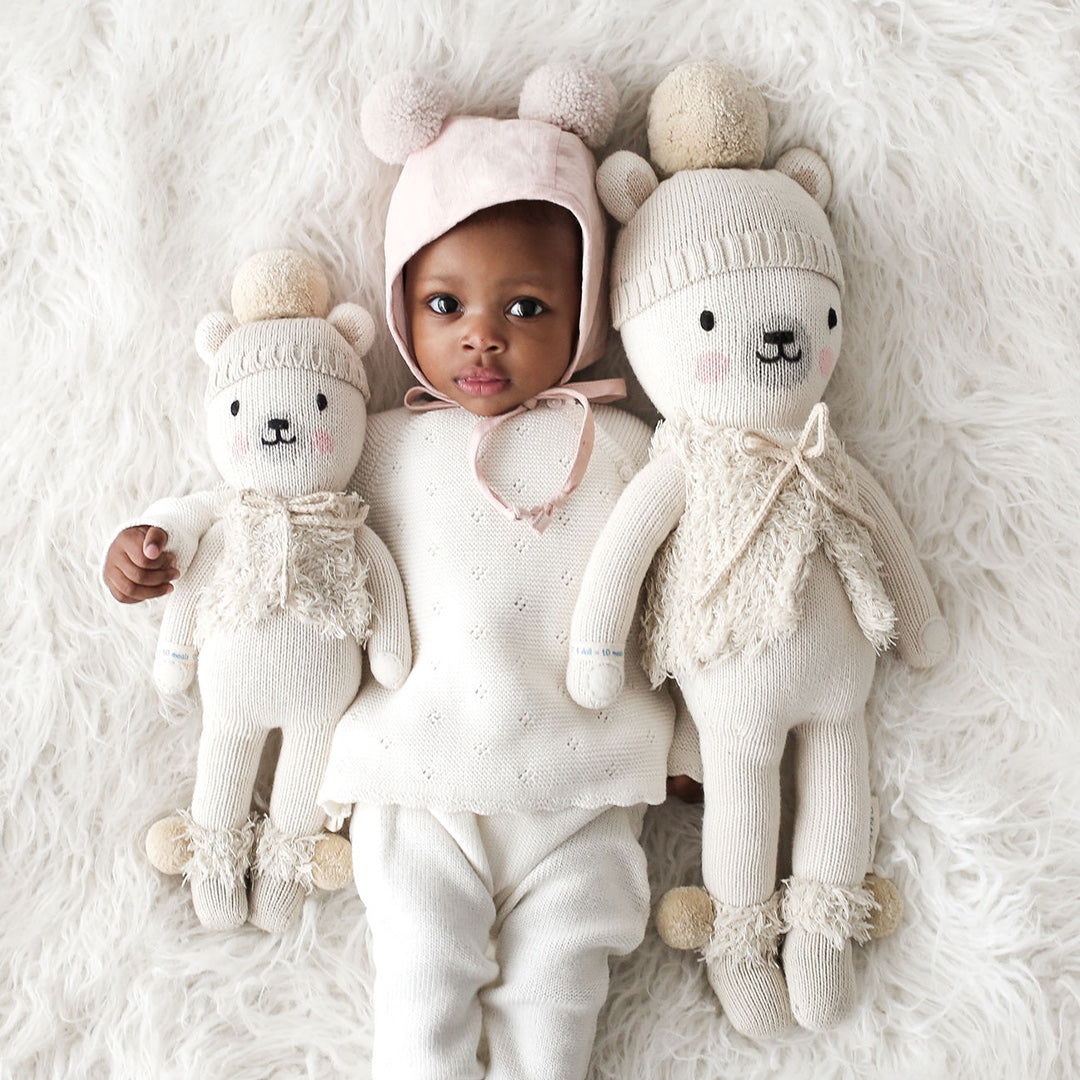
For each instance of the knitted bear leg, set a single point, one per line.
(743, 970)
(821, 921)
(282, 874)
(217, 872)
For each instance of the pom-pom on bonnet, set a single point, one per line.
(717, 211)
(280, 319)
(455, 166)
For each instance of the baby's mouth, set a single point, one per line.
(481, 382)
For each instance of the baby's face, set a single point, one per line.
(493, 308)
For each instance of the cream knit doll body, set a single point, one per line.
(486, 803)
(782, 568)
(283, 590)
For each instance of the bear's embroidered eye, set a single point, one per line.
(707, 321)
(320, 400)
(832, 317)
(234, 408)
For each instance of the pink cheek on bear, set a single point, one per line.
(826, 362)
(240, 447)
(711, 367)
(323, 442)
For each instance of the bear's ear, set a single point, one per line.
(401, 114)
(211, 333)
(808, 170)
(581, 100)
(624, 181)
(355, 325)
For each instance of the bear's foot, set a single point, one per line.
(220, 905)
(743, 969)
(213, 860)
(286, 868)
(821, 921)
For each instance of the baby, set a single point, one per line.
(486, 804)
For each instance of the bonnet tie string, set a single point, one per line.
(600, 391)
(289, 514)
(796, 459)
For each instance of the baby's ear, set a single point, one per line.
(211, 333)
(624, 181)
(402, 113)
(808, 170)
(355, 325)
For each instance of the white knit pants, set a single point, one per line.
(558, 893)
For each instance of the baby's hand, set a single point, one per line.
(137, 566)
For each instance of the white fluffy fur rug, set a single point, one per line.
(145, 150)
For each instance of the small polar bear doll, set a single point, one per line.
(782, 568)
(283, 592)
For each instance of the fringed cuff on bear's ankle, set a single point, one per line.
(221, 854)
(748, 934)
(288, 858)
(837, 912)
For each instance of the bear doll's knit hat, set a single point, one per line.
(717, 210)
(281, 318)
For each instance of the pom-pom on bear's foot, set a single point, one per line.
(821, 921)
(332, 869)
(684, 917)
(889, 909)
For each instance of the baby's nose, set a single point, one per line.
(482, 334)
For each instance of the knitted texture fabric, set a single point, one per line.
(719, 584)
(272, 344)
(712, 221)
(483, 722)
(297, 555)
(562, 892)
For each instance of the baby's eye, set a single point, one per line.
(443, 304)
(832, 317)
(527, 307)
(707, 321)
(234, 408)
(320, 400)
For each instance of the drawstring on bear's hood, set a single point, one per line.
(454, 168)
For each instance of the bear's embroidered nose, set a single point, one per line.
(278, 426)
(780, 340)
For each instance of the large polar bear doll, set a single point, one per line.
(783, 570)
(284, 590)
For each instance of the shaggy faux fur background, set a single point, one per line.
(145, 150)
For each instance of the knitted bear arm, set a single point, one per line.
(389, 645)
(922, 636)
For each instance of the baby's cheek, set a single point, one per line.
(711, 367)
(322, 442)
(826, 362)
(240, 447)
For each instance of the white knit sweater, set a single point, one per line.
(484, 722)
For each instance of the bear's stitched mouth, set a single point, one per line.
(277, 440)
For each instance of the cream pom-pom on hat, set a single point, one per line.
(717, 210)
